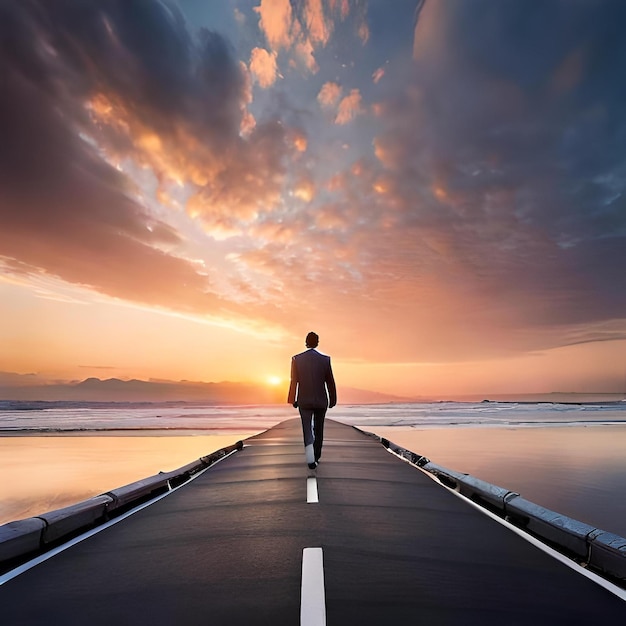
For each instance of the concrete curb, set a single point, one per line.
(20, 538)
(68, 520)
(591, 547)
(23, 539)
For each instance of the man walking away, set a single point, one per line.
(311, 379)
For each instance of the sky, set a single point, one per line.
(436, 187)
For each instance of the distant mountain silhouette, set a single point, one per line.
(117, 390)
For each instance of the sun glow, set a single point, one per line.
(273, 380)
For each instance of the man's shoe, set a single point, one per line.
(312, 465)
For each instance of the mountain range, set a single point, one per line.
(31, 388)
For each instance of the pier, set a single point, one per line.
(257, 538)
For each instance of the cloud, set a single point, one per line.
(74, 123)
(275, 21)
(499, 197)
(329, 94)
(304, 189)
(479, 212)
(258, 164)
(349, 107)
(303, 56)
(364, 32)
(263, 66)
(316, 24)
(299, 29)
(300, 140)
(487, 220)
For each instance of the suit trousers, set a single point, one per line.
(313, 428)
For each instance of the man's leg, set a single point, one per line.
(306, 415)
(318, 431)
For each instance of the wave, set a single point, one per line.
(66, 417)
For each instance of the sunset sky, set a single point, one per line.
(436, 187)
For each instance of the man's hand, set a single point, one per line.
(331, 405)
(295, 404)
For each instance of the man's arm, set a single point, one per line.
(332, 388)
(291, 398)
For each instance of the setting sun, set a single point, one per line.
(274, 380)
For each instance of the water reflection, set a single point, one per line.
(40, 474)
(577, 471)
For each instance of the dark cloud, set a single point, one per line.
(521, 183)
(492, 220)
(64, 208)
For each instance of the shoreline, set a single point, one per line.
(187, 431)
(130, 432)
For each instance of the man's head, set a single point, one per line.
(312, 340)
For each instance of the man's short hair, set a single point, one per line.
(312, 340)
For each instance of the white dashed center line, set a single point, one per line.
(313, 598)
(311, 490)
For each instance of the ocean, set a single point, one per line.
(564, 456)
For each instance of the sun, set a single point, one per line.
(274, 380)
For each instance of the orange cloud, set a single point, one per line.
(349, 107)
(342, 5)
(248, 123)
(276, 22)
(331, 217)
(247, 183)
(318, 28)
(378, 74)
(263, 66)
(344, 8)
(304, 55)
(229, 187)
(329, 94)
(304, 189)
(270, 231)
(300, 141)
(386, 151)
(304, 29)
(364, 32)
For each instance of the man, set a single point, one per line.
(311, 376)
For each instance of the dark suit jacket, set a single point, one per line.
(311, 374)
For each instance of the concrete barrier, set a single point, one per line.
(183, 474)
(20, 538)
(138, 491)
(481, 492)
(70, 519)
(569, 534)
(491, 496)
(416, 459)
(608, 553)
(448, 477)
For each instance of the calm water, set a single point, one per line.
(569, 458)
(579, 471)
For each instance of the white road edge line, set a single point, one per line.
(596, 578)
(7, 576)
(311, 490)
(312, 597)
